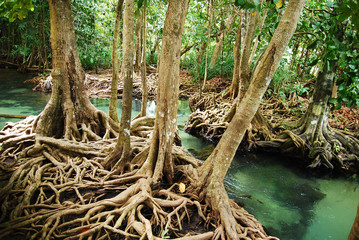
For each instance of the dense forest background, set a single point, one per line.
(208, 41)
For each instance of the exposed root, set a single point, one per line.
(332, 148)
(208, 118)
(58, 189)
(211, 115)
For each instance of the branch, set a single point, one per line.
(320, 10)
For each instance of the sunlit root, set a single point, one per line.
(58, 189)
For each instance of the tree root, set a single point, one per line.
(208, 124)
(58, 189)
(332, 149)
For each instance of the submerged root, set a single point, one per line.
(58, 189)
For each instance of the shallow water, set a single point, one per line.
(290, 204)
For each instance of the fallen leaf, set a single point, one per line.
(182, 187)
(84, 229)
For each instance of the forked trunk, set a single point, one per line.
(69, 106)
(256, 41)
(159, 162)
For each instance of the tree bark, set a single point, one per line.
(244, 65)
(121, 153)
(69, 105)
(354, 232)
(159, 162)
(204, 47)
(214, 169)
(143, 65)
(138, 42)
(115, 64)
(236, 55)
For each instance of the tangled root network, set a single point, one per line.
(58, 189)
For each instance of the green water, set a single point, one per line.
(290, 204)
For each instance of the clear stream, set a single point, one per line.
(291, 204)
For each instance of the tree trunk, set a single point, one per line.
(143, 65)
(244, 65)
(138, 42)
(217, 49)
(159, 162)
(69, 106)
(214, 169)
(236, 55)
(294, 55)
(115, 64)
(354, 232)
(121, 153)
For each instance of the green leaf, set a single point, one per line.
(139, 3)
(333, 101)
(341, 87)
(313, 44)
(338, 106)
(314, 62)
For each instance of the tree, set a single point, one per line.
(312, 137)
(144, 63)
(212, 172)
(159, 162)
(69, 113)
(115, 64)
(237, 56)
(123, 146)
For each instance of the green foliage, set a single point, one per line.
(27, 37)
(245, 4)
(285, 84)
(326, 24)
(94, 22)
(349, 9)
(221, 69)
(15, 9)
